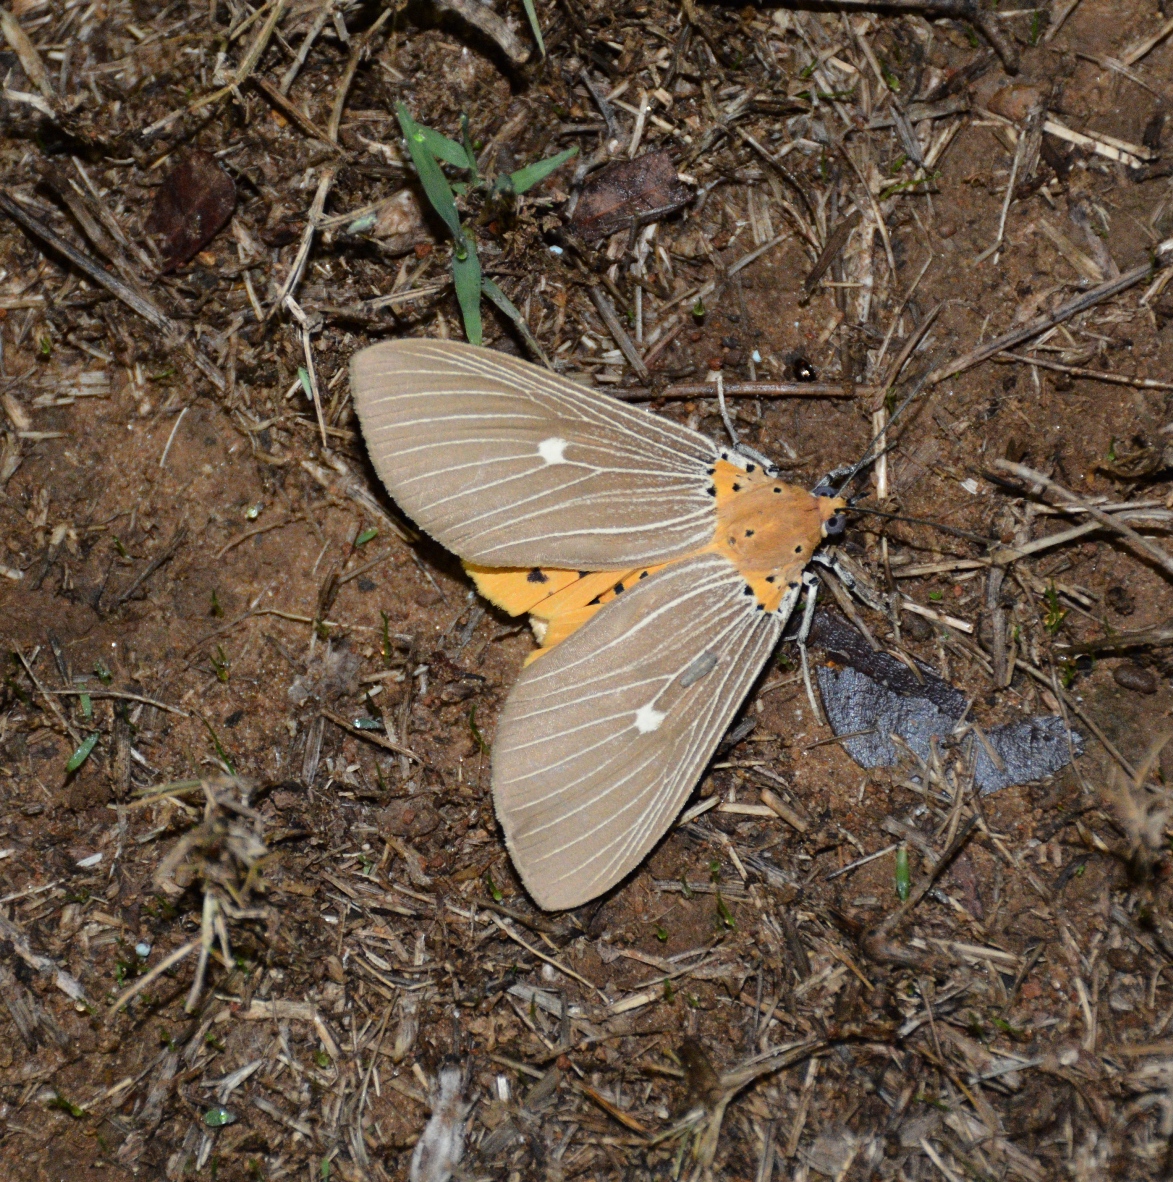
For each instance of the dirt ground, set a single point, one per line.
(254, 633)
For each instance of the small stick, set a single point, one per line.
(177, 540)
(92, 693)
(319, 23)
(1019, 156)
(848, 608)
(117, 287)
(1058, 21)
(291, 111)
(861, 861)
(780, 808)
(171, 439)
(260, 41)
(362, 570)
(618, 333)
(1159, 556)
(836, 241)
(747, 390)
(30, 59)
(73, 734)
(372, 737)
(326, 182)
(483, 18)
(1157, 637)
(900, 310)
(966, 10)
(356, 54)
(127, 294)
(1135, 53)
(308, 349)
(1080, 371)
(167, 962)
(1064, 312)
(548, 959)
(877, 213)
(252, 533)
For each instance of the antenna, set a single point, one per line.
(867, 456)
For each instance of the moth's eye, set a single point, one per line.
(834, 525)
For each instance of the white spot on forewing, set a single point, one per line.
(553, 451)
(648, 719)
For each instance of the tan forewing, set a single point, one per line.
(602, 739)
(509, 465)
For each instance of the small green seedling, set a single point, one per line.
(82, 753)
(388, 651)
(221, 754)
(221, 665)
(903, 876)
(724, 915)
(1055, 613)
(66, 1105)
(429, 150)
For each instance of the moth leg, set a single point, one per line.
(730, 429)
(811, 582)
(743, 449)
(852, 578)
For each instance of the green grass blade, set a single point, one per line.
(532, 174)
(466, 275)
(435, 183)
(506, 305)
(81, 754)
(445, 149)
(533, 24)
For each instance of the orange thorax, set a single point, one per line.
(767, 529)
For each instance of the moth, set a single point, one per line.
(658, 570)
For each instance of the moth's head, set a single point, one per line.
(831, 514)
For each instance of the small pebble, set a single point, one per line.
(1118, 598)
(409, 817)
(916, 627)
(1015, 101)
(1136, 678)
(142, 951)
(1122, 960)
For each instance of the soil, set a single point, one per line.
(257, 606)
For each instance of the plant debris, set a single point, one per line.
(192, 205)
